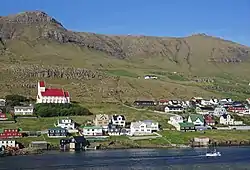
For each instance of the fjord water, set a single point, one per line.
(233, 158)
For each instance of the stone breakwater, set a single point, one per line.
(11, 151)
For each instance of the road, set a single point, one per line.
(159, 112)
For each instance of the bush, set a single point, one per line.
(15, 100)
(51, 110)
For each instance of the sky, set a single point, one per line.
(228, 19)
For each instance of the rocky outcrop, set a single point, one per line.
(54, 72)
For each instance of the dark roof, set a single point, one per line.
(207, 108)
(115, 117)
(224, 116)
(79, 139)
(175, 107)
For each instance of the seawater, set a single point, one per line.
(233, 158)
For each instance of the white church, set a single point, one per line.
(51, 95)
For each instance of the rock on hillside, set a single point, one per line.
(38, 25)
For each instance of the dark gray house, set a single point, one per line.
(57, 132)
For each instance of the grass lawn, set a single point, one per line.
(177, 137)
(37, 124)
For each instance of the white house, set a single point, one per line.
(219, 111)
(141, 128)
(175, 120)
(154, 125)
(205, 102)
(226, 119)
(204, 110)
(225, 101)
(173, 109)
(248, 100)
(2, 102)
(146, 77)
(66, 123)
(8, 143)
(51, 95)
(92, 131)
(214, 101)
(23, 110)
(118, 120)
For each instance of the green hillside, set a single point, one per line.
(104, 68)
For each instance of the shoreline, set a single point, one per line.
(31, 151)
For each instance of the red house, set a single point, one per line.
(10, 133)
(237, 109)
(163, 102)
(209, 120)
(3, 116)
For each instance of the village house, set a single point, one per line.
(146, 77)
(92, 131)
(219, 111)
(163, 102)
(66, 123)
(145, 103)
(228, 120)
(2, 102)
(174, 103)
(196, 101)
(185, 126)
(237, 109)
(101, 120)
(10, 133)
(248, 101)
(205, 102)
(51, 95)
(204, 110)
(118, 120)
(174, 120)
(225, 101)
(197, 120)
(243, 113)
(57, 132)
(143, 127)
(23, 110)
(78, 143)
(139, 128)
(214, 102)
(209, 120)
(8, 143)
(3, 116)
(169, 109)
(153, 124)
(117, 131)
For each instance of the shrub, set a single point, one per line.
(52, 109)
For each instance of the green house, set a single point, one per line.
(186, 126)
(197, 120)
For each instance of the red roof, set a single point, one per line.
(163, 100)
(2, 115)
(66, 94)
(53, 92)
(42, 84)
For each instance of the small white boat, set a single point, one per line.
(213, 154)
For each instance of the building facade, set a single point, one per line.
(51, 95)
(23, 110)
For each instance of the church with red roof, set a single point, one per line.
(51, 95)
